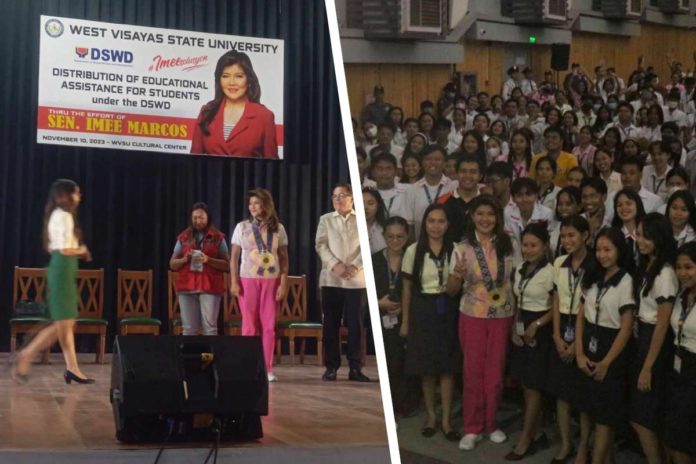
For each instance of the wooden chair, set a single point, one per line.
(134, 303)
(173, 308)
(90, 288)
(232, 315)
(30, 285)
(292, 321)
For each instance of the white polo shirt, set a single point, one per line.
(665, 288)
(533, 292)
(651, 202)
(688, 338)
(616, 298)
(513, 219)
(394, 198)
(654, 183)
(548, 198)
(416, 200)
(568, 284)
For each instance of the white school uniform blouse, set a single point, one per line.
(61, 230)
(617, 300)
(416, 200)
(548, 198)
(568, 284)
(337, 241)
(688, 338)
(533, 293)
(654, 183)
(429, 276)
(665, 288)
(513, 219)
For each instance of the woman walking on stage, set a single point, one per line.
(262, 243)
(62, 240)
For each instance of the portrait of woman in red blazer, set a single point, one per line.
(235, 123)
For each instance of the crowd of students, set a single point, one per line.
(547, 233)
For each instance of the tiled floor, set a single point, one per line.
(304, 411)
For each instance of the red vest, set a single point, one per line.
(210, 280)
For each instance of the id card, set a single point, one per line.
(389, 321)
(677, 364)
(569, 334)
(519, 328)
(594, 344)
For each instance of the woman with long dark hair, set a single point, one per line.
(567, 298)
(473, 144)
(532, 287)
(568, 203)
(680, 418)
(603, 328)
(520, 156)
(628, 212)
(681, 213)
(260, 280)
(481, 268)
(376, 218)
(235, 122)
(63, 240)
(657, 287)
(429, 317)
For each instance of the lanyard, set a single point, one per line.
(626, 132)
(392, 276)
(263, 248)
(683, 316)
(656, 188)
(574, 281)
(519, 172)
(548, 192)
(598, 301)
(440, 264)
(427, 193)
(524, 282)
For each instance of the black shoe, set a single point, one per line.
(565, 459)
(358, 376)
(329, 375)
(512, 456)
(452, 435)
(69, 377)
(428, 432)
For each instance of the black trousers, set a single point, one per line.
(342, 304)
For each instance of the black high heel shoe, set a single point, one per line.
(69, 377)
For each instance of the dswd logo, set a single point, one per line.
(104, 55)
(81, 51)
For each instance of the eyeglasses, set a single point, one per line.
(340, 196)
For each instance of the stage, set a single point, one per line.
(309, 420)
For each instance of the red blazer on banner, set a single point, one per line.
(253, 136)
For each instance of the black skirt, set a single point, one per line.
(529, 364)
(606, 402)
(680, 416)
(648, 408)
(564, 377)
(432, 346)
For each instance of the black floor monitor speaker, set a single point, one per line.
(176, 388)
(560, 55)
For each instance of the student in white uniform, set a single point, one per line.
(628, 212)
(681, 213)
(383, 169)
(655, 175)
(531, 336)
(526, 210)
(594, 195)
(680, 418)
(563, 374)
(376, 217)
(657, 288)
(427, 190)
(631, 176)
(568, 204)
(604, 324)
(545, 173)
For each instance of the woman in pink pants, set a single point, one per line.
(261, 281)
(481, 268)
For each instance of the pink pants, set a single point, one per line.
(258, 305)
(484, 345)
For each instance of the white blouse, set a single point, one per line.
(568, 284)
(533, 293)
(665, 288)
(617, 298)
(688, 338)
(61, 231)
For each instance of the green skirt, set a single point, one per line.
(62, 287)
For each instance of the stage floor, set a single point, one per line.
(304, 411)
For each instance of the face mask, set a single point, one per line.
(597, 106)
(612, 105)
(451, 95)
(461, 106)
(493, 152)
(372, 132)
(672, 104)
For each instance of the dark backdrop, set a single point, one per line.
(135, 203)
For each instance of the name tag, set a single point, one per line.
(389, 321)
(569, 334)
(519, 328)
(677, 364)
(594, 344)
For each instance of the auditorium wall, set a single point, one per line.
(406, 85)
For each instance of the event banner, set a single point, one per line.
(149, 89)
